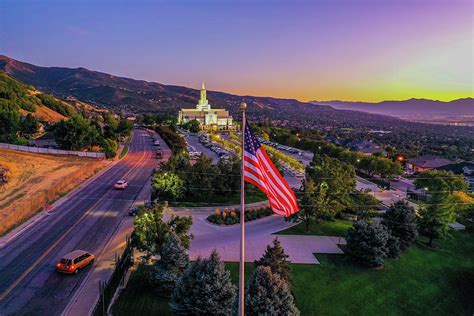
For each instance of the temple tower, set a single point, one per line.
(203, 104)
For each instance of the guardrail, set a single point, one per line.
(51, 151)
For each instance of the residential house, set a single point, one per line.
(425, 163)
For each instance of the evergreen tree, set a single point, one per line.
(393, 247)
(277, 260)
(268, 294)
(204, 289)
(366, 243)
(173, 261)
(400, 218)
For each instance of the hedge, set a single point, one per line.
(231, 217)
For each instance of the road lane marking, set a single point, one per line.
(4, 294)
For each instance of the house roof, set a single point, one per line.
(458, 168)
(429, 161)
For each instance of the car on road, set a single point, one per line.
(156, 143)
(133, 211)
(74, 261)
(121, 185)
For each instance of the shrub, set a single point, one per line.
(393, 247)
(233, 217)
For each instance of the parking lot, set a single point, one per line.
(195, 146)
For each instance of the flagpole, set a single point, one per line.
(243, 106)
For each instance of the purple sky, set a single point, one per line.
(330, 49)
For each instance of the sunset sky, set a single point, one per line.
(309, 50)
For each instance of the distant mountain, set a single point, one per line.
(408, 108)
(138, 96)
(131, 95)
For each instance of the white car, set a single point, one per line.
(121, 185)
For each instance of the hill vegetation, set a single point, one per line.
(141, 97)
(23, 110)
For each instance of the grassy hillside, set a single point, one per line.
(36, 180)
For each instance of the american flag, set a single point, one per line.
(260, 171)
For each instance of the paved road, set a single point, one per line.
(28, 282)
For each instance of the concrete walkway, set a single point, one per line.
(300, 249)
(258, 234)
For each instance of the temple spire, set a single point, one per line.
(203, 104)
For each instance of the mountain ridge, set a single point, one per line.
(412, 106)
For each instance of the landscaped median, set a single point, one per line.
(232, 216)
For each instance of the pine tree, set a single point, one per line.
(400, 218)
(204, 289)
(268, 294)
(276, 258)
(366, 243)
(173, 261)
(393, 247)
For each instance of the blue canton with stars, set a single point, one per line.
(251, 142)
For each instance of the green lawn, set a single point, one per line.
(337, 227)
(422, 281)
(139, 298)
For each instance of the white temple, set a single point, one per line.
(210, 119)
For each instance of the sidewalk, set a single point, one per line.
(299, 248)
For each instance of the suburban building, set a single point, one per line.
(209, 119)
(462, 168)
(424, 163)
(365, 147)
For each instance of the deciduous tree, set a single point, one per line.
(151, 231)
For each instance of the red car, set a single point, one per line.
(121, 185)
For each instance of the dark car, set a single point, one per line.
(133, 211)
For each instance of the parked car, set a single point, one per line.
(121, 185)
(159, 154)
(74, 261)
